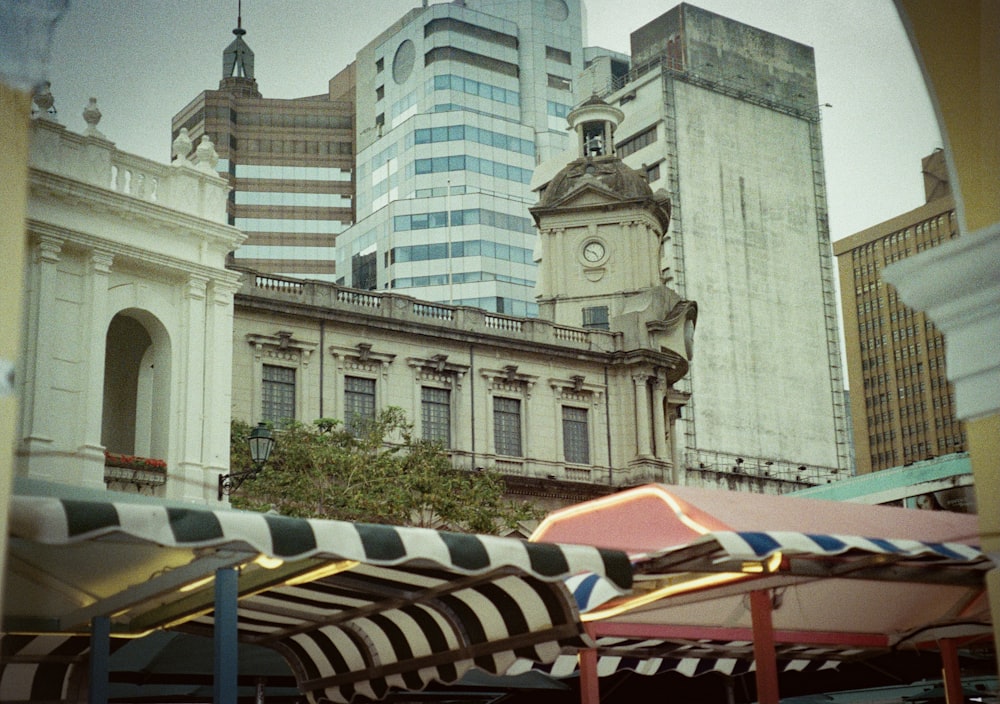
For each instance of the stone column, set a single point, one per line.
(642, 424)
(188, 459)
(560, 284)
(37, 435)
(661, 446)
(217, 394)
(95, 333)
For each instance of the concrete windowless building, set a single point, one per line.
(726, 118)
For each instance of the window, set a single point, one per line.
(450, 53)
(359, 402)
(380, 93)
(559, 83)
(277, 394)
(576, 438)
(596, 318)
(379, 65)
(560, 55)
(448, 24)
(634, 144)
(507, 426)
(435, 414)
(653, 173)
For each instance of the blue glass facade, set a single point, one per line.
(455, 109)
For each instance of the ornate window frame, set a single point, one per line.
(437, 372)
(360, 361)
(281, 349)
(577, 393)
(508, 382)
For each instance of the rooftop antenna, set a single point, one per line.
(239, 31)
(237, 59)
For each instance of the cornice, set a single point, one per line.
(347, 316)
(222, 235)
(84, 241)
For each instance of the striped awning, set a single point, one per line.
(656, 657)
(822, 555)
(795, 565)
(356, 609)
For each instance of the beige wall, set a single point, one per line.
(15, 109)
(957, 44)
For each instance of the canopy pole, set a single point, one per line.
(589, 682)
(952, 673)
(226, 656)
(100, 660)
(763, 647)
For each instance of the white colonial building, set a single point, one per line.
(125, 377)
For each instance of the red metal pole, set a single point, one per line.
(763, 647)
(589, 683)
(952, 674)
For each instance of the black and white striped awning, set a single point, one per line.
(356, 609)
(656, 657)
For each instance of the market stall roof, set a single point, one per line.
(355, 608)
(845, 580)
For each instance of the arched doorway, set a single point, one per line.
(135, 417)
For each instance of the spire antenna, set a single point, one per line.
(239, 31)
(237, 59)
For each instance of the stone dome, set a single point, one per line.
(609, 175)
(608, 172)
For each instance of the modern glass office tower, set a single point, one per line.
(456, 104)
(289, 162)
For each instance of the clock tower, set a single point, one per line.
(602, 264)
(602, 230)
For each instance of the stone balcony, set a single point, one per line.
(399, 310)
(91, 159)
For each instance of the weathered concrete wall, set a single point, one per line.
(760, 373)
(721, 49)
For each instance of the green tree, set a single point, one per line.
(381, 474)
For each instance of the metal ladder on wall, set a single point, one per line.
(841, 429)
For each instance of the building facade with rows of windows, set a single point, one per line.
(456, 104)
(545, 401)
(902, 402)
(289, 163)
(560, 411)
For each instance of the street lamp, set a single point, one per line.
(261, 442)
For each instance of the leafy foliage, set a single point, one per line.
(383, 474)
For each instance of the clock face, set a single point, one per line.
(593, 251)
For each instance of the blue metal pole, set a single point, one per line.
(100, 657)
(226, 656)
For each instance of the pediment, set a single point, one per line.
(588, 195)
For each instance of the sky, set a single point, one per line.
(144, 60)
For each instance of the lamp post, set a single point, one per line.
(261, 442)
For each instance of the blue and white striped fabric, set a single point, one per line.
(759, 545)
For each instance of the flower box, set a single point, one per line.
(141, 471)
